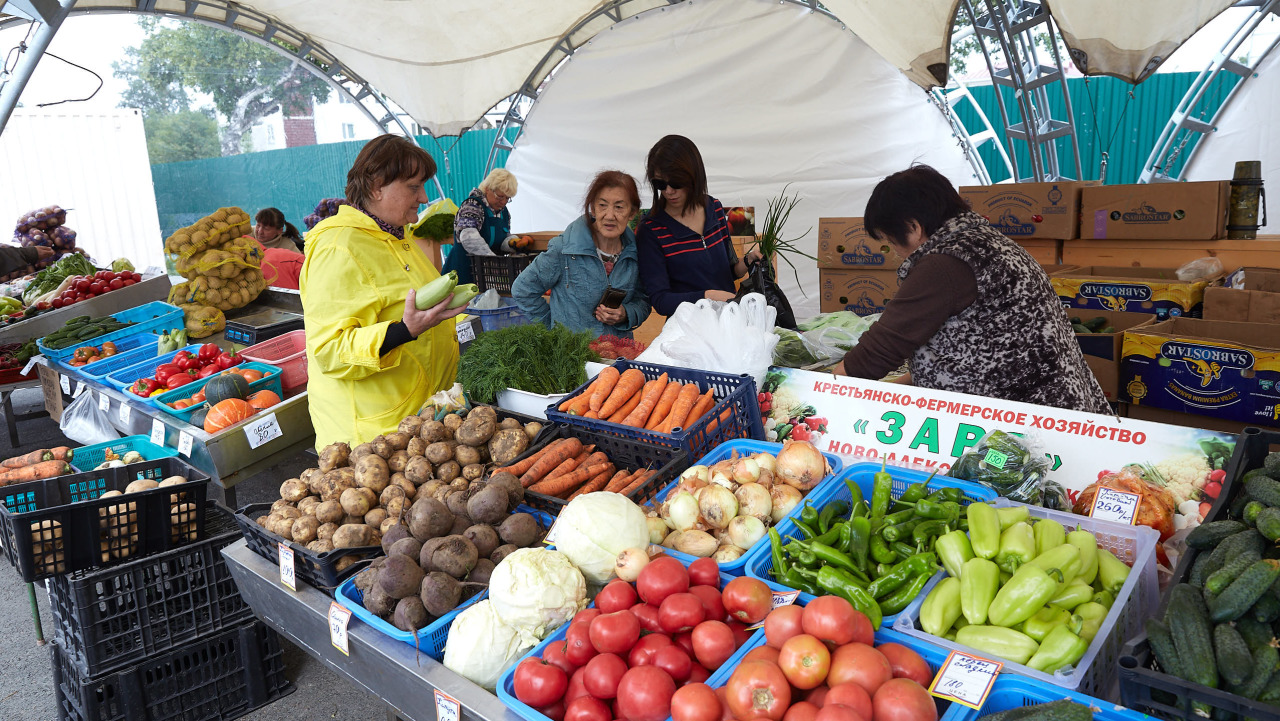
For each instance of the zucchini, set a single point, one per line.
(1218, 581)
(1162, 647)
(1262, 488)
(1235, 662)
(1251, 511)
(1266, 609)
(1208, 535)
(1192, 635)
(1268, 522)
(1243, 592)
(1254, 632)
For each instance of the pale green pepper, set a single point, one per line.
(1093, 614)
(1005, 643)
(1049, 534)
(941, 607)
(1112, 572)
(1045, 620)
(984, 530)
(1065, 558)
(979, 582)
(1061, 648)
(953, 550)
(1017, 546)
(1106, 598)
(1073, 595)
(1013, 514)
(1088, 546)
(1025, 594)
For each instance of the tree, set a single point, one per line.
(245, 80)
(185, 135)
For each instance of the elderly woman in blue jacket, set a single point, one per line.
(592, 268)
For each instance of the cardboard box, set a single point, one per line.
(1177, 211)
(1262, 252)
(1029, 210)
(1045, 252)
(843, 243)
(1050, 269)
(1223, 369)
(1135, 290)
(864, 292)
(1251, 294)
(1186, 420)
(1102, 350)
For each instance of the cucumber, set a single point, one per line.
(1205, 565)
(1162, 647)
(1268, 523)
(1271, 692)
(1060, 710)
(1236, 509)
(1251, 511)
(1254, 632)
(1243, 592)
(1235, 662)
(1218, 581)
(1208, 535)
(1192, 635)
(1264, 489)
(1265, 661)
(1266, 609)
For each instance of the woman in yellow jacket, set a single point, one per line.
(372, 356)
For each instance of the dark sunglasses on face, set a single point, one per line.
(661, 185)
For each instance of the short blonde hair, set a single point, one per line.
(500, 180)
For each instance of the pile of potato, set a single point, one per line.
(213, 230)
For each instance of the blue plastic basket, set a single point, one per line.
(743, 447)
(735, 395)
(499, 318)
(1013, 691)
(137, 347)
(87, 458)
(156, 316)
(123, 376)
(759, 560)
(270, 380)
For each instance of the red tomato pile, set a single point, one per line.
(605, 669)
(83, 287)
(818, 664)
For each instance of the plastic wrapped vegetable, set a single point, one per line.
(120, 264)
(201, 320)
(1004, 463)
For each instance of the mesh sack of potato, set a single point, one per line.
(225, 261)
(211, 231)
(202, 321)
(180, 293)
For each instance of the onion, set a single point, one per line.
(766, 461)
(725, 554)
(700, 472)
(784, 499)
(690, 484)
(754, 500)
(766, 477)
(671, 539)
(722, 475)
(717, 506)
(800, 465)
(746, 470)
(744, 531)
(696, 543)
(630, 562)
(658, 529)
(681, 511)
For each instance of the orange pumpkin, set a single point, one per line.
(263, 399)
(248, 374)
(226, 413)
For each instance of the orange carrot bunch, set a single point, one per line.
(660, 405)
(566, 469)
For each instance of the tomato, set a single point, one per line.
(83, 286)
(661, 578)
(695, 702)
(576, 687)
(765, 653)
(835, 621)
(642, 653)
(698, 674)
(585, 615)
(805, 660)
(838, 712)
(618, 595)
(684, 640)
(681, 612)
(675, 662)
(538, 683)
(614, 632)
(801, 711)
(903, 700)
(705, 572)
(647, 615)
(555, 711)
(116, 284)
(747, 599)
(130, 282)
(57, 302)
(781, 624)
(758, 689)
(860, 663)
(98, 287)
(586, 708)
(713, 643)
(579, 649)
(852, 695)
(554, 655)
(602, 675)
(725, 714)
(817, 695)
(741, 633)
(645, 693)
(137, 277)
(712, 604)
(906, 663)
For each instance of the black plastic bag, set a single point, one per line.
(760, 280)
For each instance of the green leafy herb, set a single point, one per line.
(51, 277)
(531, 358)
(770, 241)
(435, 227)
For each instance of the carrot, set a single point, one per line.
(663, 408)
(605, 383)
(625, 411)
(569, 464)
(569, 481)
(652, 392)
(629, 383)
(638, 481)
(28, 459)
(680, 409)
(619, 481)
(62, 453)
(596, 483)
(520, 467)
(590, 414)
(35, 472)
(704, 404)
(552, 457)
(725, 415)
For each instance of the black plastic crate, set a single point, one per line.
(319, 570)
(1146, 690)
(94, 532)
(623, 452)
(547, 427)
(221, 677)
(111, 618)
(498, 271)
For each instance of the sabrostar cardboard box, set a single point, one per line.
(862, 291)
(1028, 210)
(843, 243)
(1045, 252)
(1186, 420)
(1217, 368)
(1250, 294)
(1050, 269)
(1261, 252)
(1102, 350)
(1135, 290)
(1151, 211)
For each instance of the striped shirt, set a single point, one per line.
(679, 265)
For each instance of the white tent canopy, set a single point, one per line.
(819, 111)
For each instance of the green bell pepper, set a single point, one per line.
(1049, 535)
(881, 492)
(953, 550)
(1017, 546)
(901, 573)
(1005, 643)
(859, 541)
(839, 583)
(1013, 514)
(1045, 620)
(979, 582)
(1074, 594)
(1065, 558)
(1093, 614)
(1026, 592)
(941, 607)
(984, 530)
(901, 598)
(1061, 648)
(1088, 546)
(1111, 571)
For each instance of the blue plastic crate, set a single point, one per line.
(123, 377)
(759, 560)
(735, 394)
(154, 317)
(499, 318)
(743, 447)
(270, 380)
(1013, 691)
(89, 457)
(137, 347)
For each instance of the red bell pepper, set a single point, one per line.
(186, 361)
(165, 370)
(178, 379)
(229, 358)
(800, 432)
(208, 353)
(209, 370)
(144, 387)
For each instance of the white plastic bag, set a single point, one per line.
(84, 422)
(734, 337)
(1200, 269)
(488, 300)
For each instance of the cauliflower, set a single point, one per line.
(1185, 474)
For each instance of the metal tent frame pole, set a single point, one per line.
(48, 16)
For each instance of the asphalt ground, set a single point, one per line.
(26, 676)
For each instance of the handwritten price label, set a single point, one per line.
(288, 574)
(31, 364)
(447, 707)
(965, 679)
(466, 333)
(263, 430)
(104, 402)
(66, 384)
(80, 386)
(339, 617)
(550, 538)
(184, 443)
(1112, 505)
(125, 412)
(780, 599)
(157, 432)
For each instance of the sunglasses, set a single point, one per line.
(661, 185)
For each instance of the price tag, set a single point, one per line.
(157, 432)
(447, 707)
(125, 412)
(339, 617)
(466, 333)
(31, 364)
(550, 538)
(104, 402)
(1112, 505)
(66, 385)
(184, 443)
(262, 430)
(80, 386)
(995, 458)
(288, 575)
(965, 679)
(780, 599)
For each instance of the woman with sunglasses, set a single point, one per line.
(482, 225)
(686, 253)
